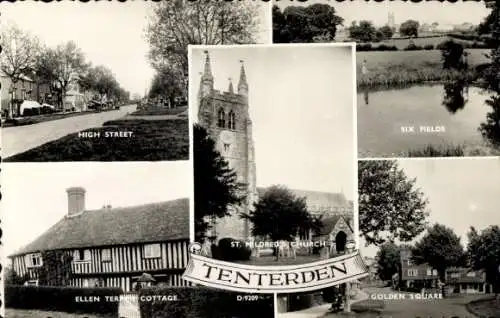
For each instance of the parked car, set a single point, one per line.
(30, 108)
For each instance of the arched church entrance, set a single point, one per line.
(340, 242)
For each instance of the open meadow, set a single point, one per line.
(409, 67)
(402, 43)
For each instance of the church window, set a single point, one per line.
(226, 147)
(221, 122)
(231, 121)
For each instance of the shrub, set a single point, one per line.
(364, 47)
(204, 302)
(429, 47)
(230, 249)
(413, 47)
(61, 299)
(383, 47)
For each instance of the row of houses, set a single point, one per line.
(113, 247)
(26, 88)
(458, 280)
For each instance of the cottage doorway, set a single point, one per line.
(340, 242)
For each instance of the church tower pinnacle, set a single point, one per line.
(230, 89)
(207, 79)
(242, 84)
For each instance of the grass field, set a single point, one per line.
(409, 67)
(159, 111)
(151, 140)
(435, 40)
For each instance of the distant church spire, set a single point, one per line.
(242, 84)
(231, 89)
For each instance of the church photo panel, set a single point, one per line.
(273, 152)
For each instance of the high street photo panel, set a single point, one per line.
(112, 87)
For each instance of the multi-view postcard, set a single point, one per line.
(242, 159)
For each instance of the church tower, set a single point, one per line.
(226, 117)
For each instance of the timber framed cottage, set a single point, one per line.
(109, 247)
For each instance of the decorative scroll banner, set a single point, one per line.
(275, 279)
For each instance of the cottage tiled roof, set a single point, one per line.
(155, 222)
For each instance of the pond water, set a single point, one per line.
(394, 122)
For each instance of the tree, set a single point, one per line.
(175, 24)
(440, 248)
(216, 191)
(387, 32)
(280, 215)
(490, 129)
(409, 28)
(483, 251)
(316, 22)
(487, 26)
(63, 65)
(452, 55)
(56, 268)
(166, 85)
(390, 206)
(388, 260)
(364, 32)
(19, 53)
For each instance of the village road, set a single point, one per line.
(412, 308)
(22, 138)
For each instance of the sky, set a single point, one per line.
(36, 198)
(461, 192)
(301, 107)
(425, 11)
(110, 33)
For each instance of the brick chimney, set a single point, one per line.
(76, 200)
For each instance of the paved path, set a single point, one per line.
(19, 139)
(411, 308)
(319, 311)
(129, 307)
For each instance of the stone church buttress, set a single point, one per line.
(226, 117)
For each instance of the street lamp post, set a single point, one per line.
(350, 248)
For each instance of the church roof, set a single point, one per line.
(317, 198)
(155, 222)
(330, 223)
